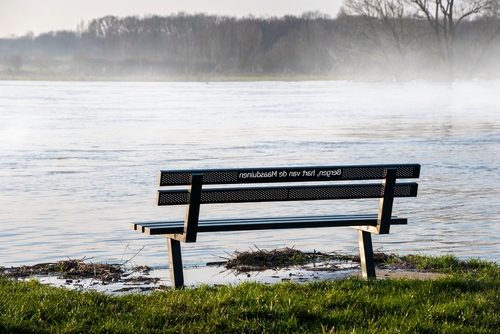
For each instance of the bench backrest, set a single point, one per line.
(294, 174)
(285, 175)
(319, 189)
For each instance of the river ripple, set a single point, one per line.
(78, 162)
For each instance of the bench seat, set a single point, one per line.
(269, 223)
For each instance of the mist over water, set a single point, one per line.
(79, 160)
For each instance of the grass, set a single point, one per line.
(466, 301)
(32, 74)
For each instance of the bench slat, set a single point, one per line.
(289, 174)
(175, 223)
(222, 225)
(271, 194)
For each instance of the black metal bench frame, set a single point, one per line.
(316, 184)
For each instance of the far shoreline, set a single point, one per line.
(173, 78)
(201, 78)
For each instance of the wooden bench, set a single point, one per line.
(297, 184)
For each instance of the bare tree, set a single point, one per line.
(389, 27)
(248, 40)
(444, 16)
(489, 30)
(314, 40)
(14, 62)
(105, 33)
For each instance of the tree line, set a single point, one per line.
(369, 39)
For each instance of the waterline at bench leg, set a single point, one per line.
(175, 263)
(366, 254)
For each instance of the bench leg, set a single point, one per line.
(366, 254)
(175, 263)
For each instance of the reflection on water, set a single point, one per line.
(78, 162)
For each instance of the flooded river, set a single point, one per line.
(79, 161)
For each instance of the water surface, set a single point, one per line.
(78, 162)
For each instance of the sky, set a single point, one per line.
(17, 17)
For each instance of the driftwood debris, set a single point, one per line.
(260, 259)
(68, 269)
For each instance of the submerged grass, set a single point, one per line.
(467, 301)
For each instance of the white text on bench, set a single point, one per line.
(258, 175)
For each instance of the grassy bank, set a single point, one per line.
(34, 75)
(466, 301)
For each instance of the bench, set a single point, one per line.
(295, 184)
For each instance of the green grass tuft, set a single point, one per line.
(466, 301)
(446, 263)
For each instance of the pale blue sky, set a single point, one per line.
(20, 16)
